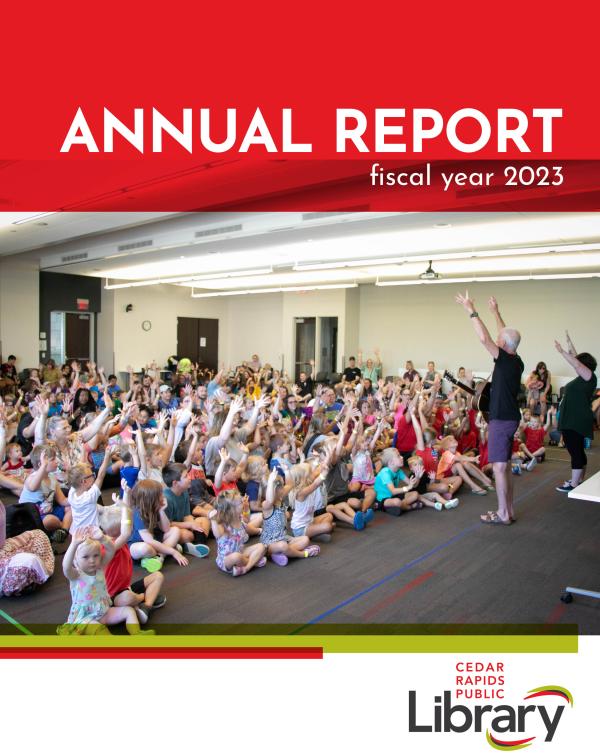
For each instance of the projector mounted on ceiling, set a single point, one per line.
(430, 274)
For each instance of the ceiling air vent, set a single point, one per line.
(134, 245)
(218, 231)
(74, 257)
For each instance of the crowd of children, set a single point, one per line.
(266, 466)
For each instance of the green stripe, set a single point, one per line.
(15, 623)
(332, 644)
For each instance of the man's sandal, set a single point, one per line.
(491, 517)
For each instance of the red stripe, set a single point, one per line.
(511, 743)
(548, 693)
(397, 595)
(556, 615)
(163, 653)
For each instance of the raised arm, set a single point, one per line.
(480, 329)
(235, 407)
(103, 467)
(259, 404)
(584, 372)
(493, 304)
(269, 501)
(418, 431)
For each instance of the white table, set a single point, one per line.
(588, 490)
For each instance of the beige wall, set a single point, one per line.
(424, 322)
(161, 305)
(19, 310)
(253, 324)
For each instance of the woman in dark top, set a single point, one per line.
(83, 404)
(576, 420)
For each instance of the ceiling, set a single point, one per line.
(233, 253)
(23, 231)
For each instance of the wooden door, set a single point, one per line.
(198, 340)
(208, 343)
(77, 337)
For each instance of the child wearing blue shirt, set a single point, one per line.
(394, 490)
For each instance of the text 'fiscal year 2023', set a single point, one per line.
(510, 175)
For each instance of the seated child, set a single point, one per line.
(152, 536)
(14, 466)
(233, 555)
(307, 498)
(84, 492)
(84, 563)
(193, 532)
(533, 447)
(280, 546)
(45, 492)
(395, 492)
(428, 498)
(452, 462)
(143, 595)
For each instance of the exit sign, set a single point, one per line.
(83, 304)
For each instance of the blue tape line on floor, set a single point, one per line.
(413, 563)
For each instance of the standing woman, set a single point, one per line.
(576, 420)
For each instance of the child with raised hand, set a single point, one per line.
(363, 473)
(229, 472)
(228, 528)
(429, 454)
(45, 492)
(84, 491)
(308, 497)
(193, 532)
(84, 562)
(152, 536)
(395, 491)
(280, 546)
(143, 595)
(428, 498)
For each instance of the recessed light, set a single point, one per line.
(442, 225)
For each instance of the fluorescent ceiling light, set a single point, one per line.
(30, 218)
(295, 288)
(489, 279)
(189, 278)
(521, 251)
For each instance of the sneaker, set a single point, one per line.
(532, 464)
(312, 551)
(439, 506)
(197, 551)
(516, 469)
(59, 535)
(279, 559)
(142, 612)
(152, 564)
(359, 521)
(566, 487)
(451, 504)
(368, 515)
(159, 602)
